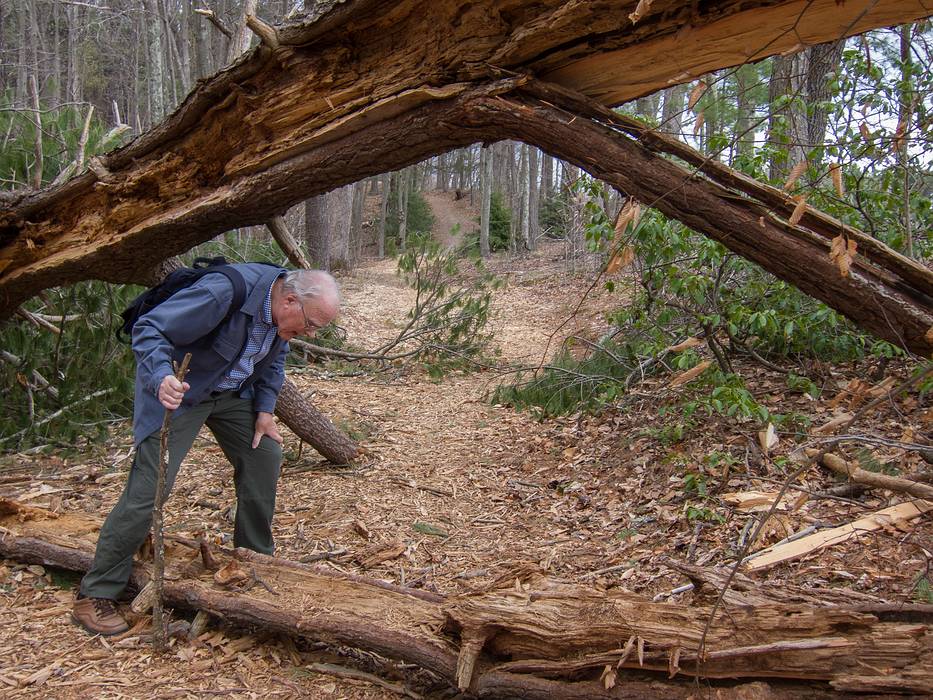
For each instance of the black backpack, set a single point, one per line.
(175, 281)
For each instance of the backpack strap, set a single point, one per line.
(239, 289)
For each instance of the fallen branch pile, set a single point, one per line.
(535, 638)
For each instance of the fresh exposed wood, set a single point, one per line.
(903, 512)
(284, 123)
(533, 636)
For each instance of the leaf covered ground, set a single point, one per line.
(457, 494)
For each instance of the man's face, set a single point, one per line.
(303, 319)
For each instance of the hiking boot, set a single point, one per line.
(98, 616)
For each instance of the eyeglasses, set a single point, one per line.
(310, 326)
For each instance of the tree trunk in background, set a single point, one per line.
(156, 68)
(534, 221)
(524, 186)
(57, 77)
(822, 62)
(576, 241)
(72, 91)
(385, 180)
(403, 186)
(547, 177)
(744, 129)
(317, 235)
(184, 45)
(442, 172)
(205, 33)
(712, 124)
(356, 220)
(240, 41)
(338, 212)
(805, 77)
(486, 164)
(787, 74)
(647, 106)
(672, 111)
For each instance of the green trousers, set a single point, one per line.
(255, 473)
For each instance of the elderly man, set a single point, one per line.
(236, 372)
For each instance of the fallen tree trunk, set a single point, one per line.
(790, 252)
(537, 639)
(872, 479)
(313, 427)
(292, 112)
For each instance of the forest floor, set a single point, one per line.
(456, 493)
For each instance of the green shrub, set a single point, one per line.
(84, 359)
(448, 323)
(500, 228)
(420, 218)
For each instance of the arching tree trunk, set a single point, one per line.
(295, 111)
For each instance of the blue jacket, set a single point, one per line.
(177, 325)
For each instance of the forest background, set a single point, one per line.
(845, 127)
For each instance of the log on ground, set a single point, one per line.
(540, 638)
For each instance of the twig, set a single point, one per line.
(356, 674)
(855, 473)
(38, 321)
(266, 33)
(741, 557)
(158, 568)
(215, 20)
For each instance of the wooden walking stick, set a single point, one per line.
(158, 545)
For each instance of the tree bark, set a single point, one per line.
(279, 230)
(548, 639)
(486, 197)
(312, 426)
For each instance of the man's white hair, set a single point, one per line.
(311, 284)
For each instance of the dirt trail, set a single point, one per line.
(453, 218)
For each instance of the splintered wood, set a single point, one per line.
(535, 629)
(888, 517)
